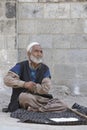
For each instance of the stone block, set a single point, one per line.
(77, 56)
(85, 26)
(73, 26)
(78, 41)
(82, 71)
(48, 58)
(70, 41)
(23, 41)
(44, 40)
(8, 27)
(10, 9)
(57, 11)
(46, 26)
(7, 42)
(8, 56)
(51, 1)
(63, 73)
(10, 42)
(26, 27)
(1, 10)
(62, 41)
(22, 55)
(30, 10)
(27, 1)
(59, 56)
(2, 23)
(57, 1)
(2, 46)
(79, 10)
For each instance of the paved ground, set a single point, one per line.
(7, 123)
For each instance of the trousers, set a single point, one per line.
(38, 103)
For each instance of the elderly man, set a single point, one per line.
(30, 81)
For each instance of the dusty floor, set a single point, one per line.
(8, 123)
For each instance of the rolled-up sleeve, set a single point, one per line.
(12, 77)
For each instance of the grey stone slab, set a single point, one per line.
(49, 26)
(57, 11)
(67, 41)
(2, 46)
(79, 10)
(73, 26)
(10, 9)
(64, 71)
(53, 1)
(8, 56)
(8, 27)
(23, 41)
(10, 42)
(22, 55)
(77, 56)
(85, 26)
(1, 10)
(26, 27)
(30, 10)
(62, 41)
(44, 40)
(27, 1)
(78, 41)
(59, 56)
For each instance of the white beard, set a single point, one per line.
(35, 60)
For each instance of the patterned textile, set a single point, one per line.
(45, 117)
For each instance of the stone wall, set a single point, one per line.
(8, 44)
(61, 28)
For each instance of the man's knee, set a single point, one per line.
(25, 97)
(22, 97)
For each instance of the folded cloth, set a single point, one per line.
(81, 109)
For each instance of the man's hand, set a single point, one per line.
(30, 85)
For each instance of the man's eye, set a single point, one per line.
(41, 51)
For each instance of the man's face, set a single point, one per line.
(36, 54)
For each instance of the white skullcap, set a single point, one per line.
(31, 45)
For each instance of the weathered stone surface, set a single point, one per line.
(23, 41)
(57, 11)
(10, 42)
(44, 40)
(22, 55)
(73, 26)
(1, 26)
(9, 27)
(53, 1)
(1, 10)
(10, 10)
(77, 56)
(26, 26)
(69, 41)
(46, 26)
(8, 56)
(31, 10)
(2, 46)
(79, 10)
(27, 0)
(85, 26)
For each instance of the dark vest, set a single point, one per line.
(25, 76)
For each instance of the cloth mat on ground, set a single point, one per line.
(45, 117)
